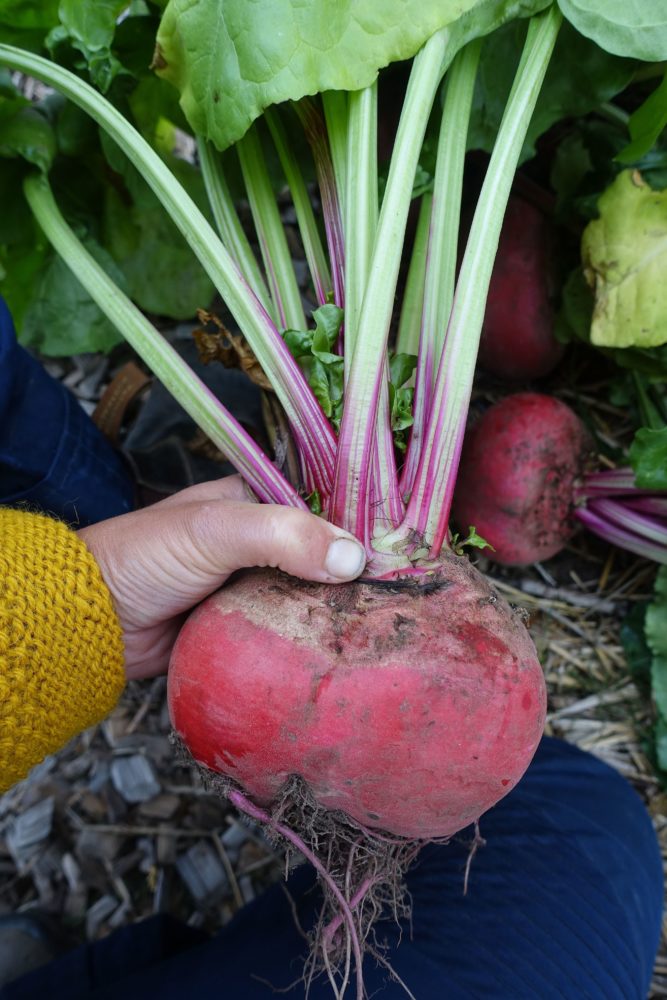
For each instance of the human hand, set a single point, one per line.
(160, 561)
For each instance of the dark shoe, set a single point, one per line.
(25, 944)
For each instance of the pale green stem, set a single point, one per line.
(409, 328)
(446, 212)
(310, 234)
(442, 250)
(270, 232)
(335, 106)
(358, 427)
(387, 509)
(193, 395)
(361, 206)
(361, 202)
(228, 222)
(316, 132)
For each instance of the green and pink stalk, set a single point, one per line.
(316, 134)
(611, 505)
(401, 515)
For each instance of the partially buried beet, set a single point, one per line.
(520, 466)
(518, 341)
(528, 477)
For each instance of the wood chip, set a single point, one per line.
(97, 845)
(203, 873)
(29, 830)
(134, 778)
(161, 807)
(98, 913)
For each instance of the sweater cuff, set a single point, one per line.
(61, 649)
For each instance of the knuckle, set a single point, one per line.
(205, 525)
(292, 533)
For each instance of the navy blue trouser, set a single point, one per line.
(52, 456)
(564, 901)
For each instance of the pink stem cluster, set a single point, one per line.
(611, 505)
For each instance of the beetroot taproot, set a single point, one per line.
(519, 467)
(411, 707)
(518, 341)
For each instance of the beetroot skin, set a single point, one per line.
(411, 708)
(519, 466)
(518, 339)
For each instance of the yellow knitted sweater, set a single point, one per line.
(61, 650)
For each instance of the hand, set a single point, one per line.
(160, 561)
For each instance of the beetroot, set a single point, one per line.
(518, 339)
(519, 467)
(434, 684)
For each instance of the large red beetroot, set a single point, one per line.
(519, 468)
(412, 707)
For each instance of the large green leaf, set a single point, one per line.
(635, 28)
(15, 217)
(26, 22)
(574, 323)
(624, 254)
(59, 317)
(162, 274)
(76, 132)
(25, 132)
(230, 59)
(29, 15)
(21, 262)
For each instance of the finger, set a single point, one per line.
(232, 488)
(235, 535)
(147, 650)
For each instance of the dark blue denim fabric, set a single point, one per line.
(52, 457)
(564, 903)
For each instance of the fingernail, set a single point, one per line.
(345, 559)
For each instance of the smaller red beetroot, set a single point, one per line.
(518, 339)
(520, 464)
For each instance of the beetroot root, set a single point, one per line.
(412, 708)
(519, 466)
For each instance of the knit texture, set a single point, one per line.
(61, 650)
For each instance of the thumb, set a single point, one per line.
(233, 536)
